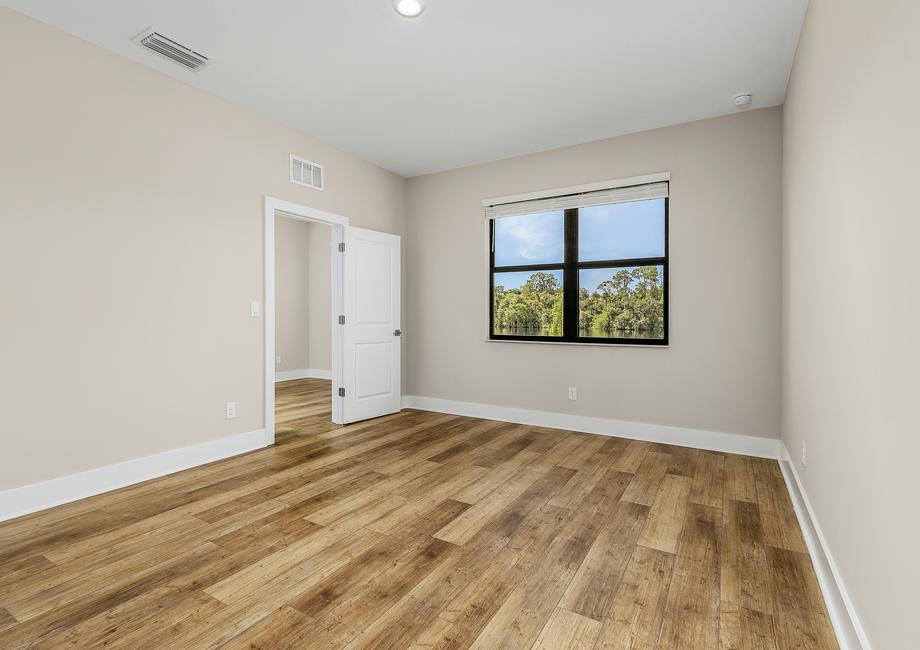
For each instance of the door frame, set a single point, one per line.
(278, 207)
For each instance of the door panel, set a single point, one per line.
(376, 356)
(372, 323)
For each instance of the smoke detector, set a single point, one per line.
(742, 100)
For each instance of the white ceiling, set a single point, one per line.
(470, 80)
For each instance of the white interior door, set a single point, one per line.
(372, 325)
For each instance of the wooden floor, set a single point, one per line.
(422, 530)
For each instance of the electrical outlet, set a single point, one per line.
(573, 393)
(804, 455)
(278, 360)
(231, 410)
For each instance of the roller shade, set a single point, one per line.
(583, 200)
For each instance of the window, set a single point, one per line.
(581, 268)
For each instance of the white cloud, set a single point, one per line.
(534, 237)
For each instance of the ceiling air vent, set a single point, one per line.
(170, 49)
(304, 172)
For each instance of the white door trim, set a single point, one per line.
(338, 223)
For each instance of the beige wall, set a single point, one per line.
(721, 372)
(320, 314)
(851, 302)
(130, 250)
(292, 294)
(303, 295)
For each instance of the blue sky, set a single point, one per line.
(621, 230)
(618, 231)
(530, 239)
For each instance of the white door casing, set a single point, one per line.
(372, 343)
(274, 206)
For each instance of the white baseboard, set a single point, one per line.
(712, 440)
(47, 494)
(850, 632)
(305, 373)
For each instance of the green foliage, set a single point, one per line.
(631, 302)
(530, 306)
(555, 328)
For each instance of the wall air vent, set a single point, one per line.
(169, 49)
(304, 172)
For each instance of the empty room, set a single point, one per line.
(442, 324)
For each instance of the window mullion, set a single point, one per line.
(570, 277)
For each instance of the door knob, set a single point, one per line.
(397, 333)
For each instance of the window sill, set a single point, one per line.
(644, 346)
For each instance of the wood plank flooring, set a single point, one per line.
(422, 530)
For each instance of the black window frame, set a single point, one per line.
(570, 266)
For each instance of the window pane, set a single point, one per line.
(528, 303)
(530, 239)
(621, 231)
(621, 303)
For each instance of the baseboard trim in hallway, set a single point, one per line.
(849, 629)
(731, 443)
(73, 487)
(305, 373)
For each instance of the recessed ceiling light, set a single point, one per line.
(409, 8)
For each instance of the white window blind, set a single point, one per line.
(582, 200)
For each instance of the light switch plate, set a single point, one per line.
(255, 309)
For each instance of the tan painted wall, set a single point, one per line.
(303, 295)
(320, 313)
(851, 302)
(721, 372)
(292, 293)
(130, 249)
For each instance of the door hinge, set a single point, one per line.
(341, 392)
(341, 247)
(342, 320)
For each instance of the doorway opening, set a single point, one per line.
(310, 362)
(303, 331)
(365, 277)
